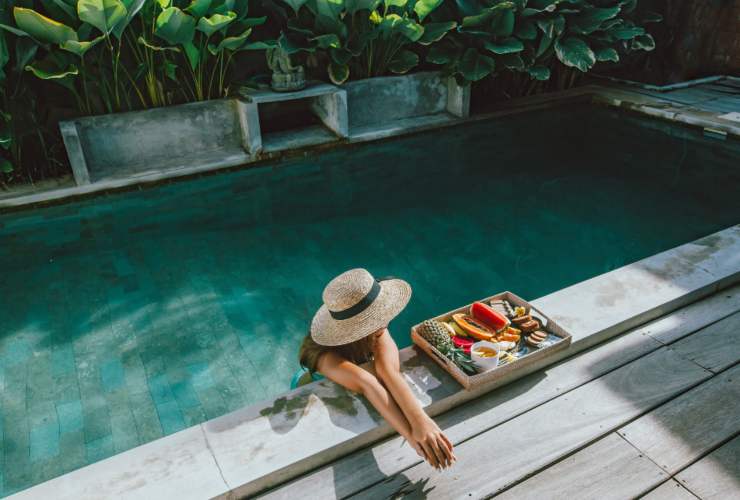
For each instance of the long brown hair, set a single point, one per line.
(358, 351)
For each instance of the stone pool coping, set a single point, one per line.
(258, 447)
(612, 95)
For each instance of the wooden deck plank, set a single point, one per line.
(590, 473)
(670, 490)
(674, 326)
(369, 466)
(716, 347)
(500, 457)
(716, 476)
(682, 430)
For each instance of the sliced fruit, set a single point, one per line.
(520, 311)
(491, 318)
(472, 327)
(458, 331)
(463, 343)
(506, 337)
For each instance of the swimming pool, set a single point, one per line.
(132, 316)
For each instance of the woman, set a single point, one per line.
(351, 328)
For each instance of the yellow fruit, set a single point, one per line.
(456, 328)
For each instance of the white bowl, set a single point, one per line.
(484, 364)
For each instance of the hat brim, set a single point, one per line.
(393, 297)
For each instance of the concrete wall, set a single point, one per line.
(227, 132)
(128, 143)
(390, 98)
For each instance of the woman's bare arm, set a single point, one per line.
(424, 430)
(358, 380)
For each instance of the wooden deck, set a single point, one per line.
(654, 412)
(721, 96)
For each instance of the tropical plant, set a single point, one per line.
(22, 116)
(207, 33)
(178, 51)
(362, 38)
(531, 35)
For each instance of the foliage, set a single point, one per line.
(363, 38)
(529, 36)
(178, 51)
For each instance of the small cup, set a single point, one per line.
(484, 364)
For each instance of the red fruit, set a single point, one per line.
(487, 315)
(463, 343)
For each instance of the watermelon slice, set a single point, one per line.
(463, 343)
(492, 318)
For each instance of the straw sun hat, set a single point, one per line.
(356, 305)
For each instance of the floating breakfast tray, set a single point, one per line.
(557, 340)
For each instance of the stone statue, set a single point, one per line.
(286, 76)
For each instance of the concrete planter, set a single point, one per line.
(178, 140)
(209, 133)
(375, 103)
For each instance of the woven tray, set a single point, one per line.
(534, 355)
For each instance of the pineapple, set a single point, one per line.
(438, 335)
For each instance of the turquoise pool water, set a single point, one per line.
(132, 316)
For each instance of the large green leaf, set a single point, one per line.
(329, 40)
(192, 53)
(232, 43)
(575, 52)
(393, 23)
(525, 29)
(503, 24)
(590, 20)
(52, 68)
(475, 66)
(142, 41)
(544, 45)
(132, 8)
(539, 72)
(395, 3)
(198, 8)
(210, 25)
(642, 42)
(353, 6)
(58, 9)
(434, 32)
(403, 61)
(506, 46)
(485, 15)
(296, 4)
(553, 26)
(511, 61)
(442, 53)
(81, 48)
(41, 27)
(606, 54)
(103, 14)
(626, 32)
(5, 166)
(338, 73)
(260, 45)
(424, 7)
(175, 27)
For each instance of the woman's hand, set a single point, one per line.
(427, 437)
